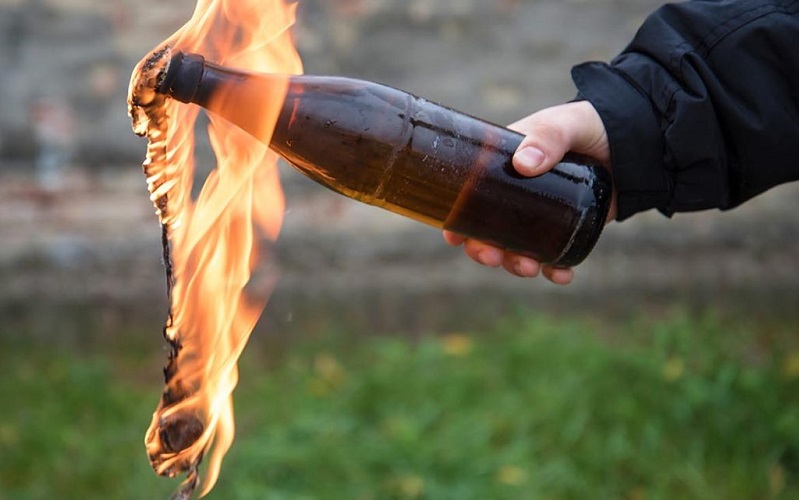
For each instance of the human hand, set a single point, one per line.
(549, 134)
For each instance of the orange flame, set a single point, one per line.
(213, 239)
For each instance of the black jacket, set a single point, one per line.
(702, 108)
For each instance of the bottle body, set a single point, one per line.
(387, 148)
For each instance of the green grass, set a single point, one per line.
(684, 406)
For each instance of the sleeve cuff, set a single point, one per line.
(634, 137)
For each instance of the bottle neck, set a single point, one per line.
(252, 101)
(183, 77)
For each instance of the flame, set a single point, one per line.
(210, 243)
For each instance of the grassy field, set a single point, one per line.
(680, 406)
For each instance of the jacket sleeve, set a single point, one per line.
(702, 108)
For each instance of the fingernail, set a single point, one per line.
(528, 159)
(488, 257)
(525, 268)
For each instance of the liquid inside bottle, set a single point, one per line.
(388, 148)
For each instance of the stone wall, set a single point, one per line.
(96, 237)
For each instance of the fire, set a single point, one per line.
(210, 243)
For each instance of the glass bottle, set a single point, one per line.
(388, 148)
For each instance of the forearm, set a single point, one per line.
(702, 108)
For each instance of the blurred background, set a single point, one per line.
(387, 364)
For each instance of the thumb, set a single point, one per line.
(553, 132)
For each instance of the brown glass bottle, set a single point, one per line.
(385, 147)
